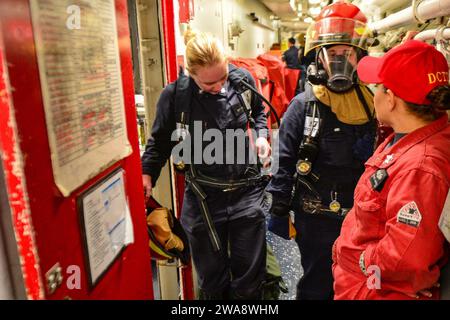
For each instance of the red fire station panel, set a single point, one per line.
(186, 12)
(69, 72)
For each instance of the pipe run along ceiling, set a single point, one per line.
(295, 15)
(286, 10)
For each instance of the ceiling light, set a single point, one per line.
(314, 1)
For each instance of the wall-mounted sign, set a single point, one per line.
(80, 73)
(106, 222)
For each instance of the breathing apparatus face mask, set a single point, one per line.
(339, 67)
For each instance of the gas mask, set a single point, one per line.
(341, 74)
(336, 68)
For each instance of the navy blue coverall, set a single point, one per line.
(291, 58)
(237, 271)
(343, 150)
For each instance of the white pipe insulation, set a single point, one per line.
(390, 5)
(427, 9)
(431, 34)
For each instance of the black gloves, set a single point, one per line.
(279, 208)
(275, 206)
(279, 217)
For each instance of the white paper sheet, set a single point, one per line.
(107, 224)
(82, 88)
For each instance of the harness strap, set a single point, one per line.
(245, 98)
(361, 98)
(201, 197)
(183, 99)
(307, 181)
(300, 180)
(228, 185)
(196, 180)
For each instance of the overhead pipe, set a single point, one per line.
(376, 8)
(431, 34)
(384, 5)
(421, 11)
(377, 3)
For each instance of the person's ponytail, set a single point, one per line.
(440, 102)
(440, 98)
(189, 34)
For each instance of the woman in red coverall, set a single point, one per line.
(393, 242)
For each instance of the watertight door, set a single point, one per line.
(72, 134)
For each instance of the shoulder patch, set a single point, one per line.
(444, 222)
(378, 179)
(410, 215)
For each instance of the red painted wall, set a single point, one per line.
(55, 219)
(15, 188)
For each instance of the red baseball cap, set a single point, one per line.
(410, 70)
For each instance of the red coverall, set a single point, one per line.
(396, 230)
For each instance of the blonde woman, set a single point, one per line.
(221, 213)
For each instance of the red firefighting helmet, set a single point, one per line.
(339, 23)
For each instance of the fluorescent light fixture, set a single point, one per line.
(314, 1)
